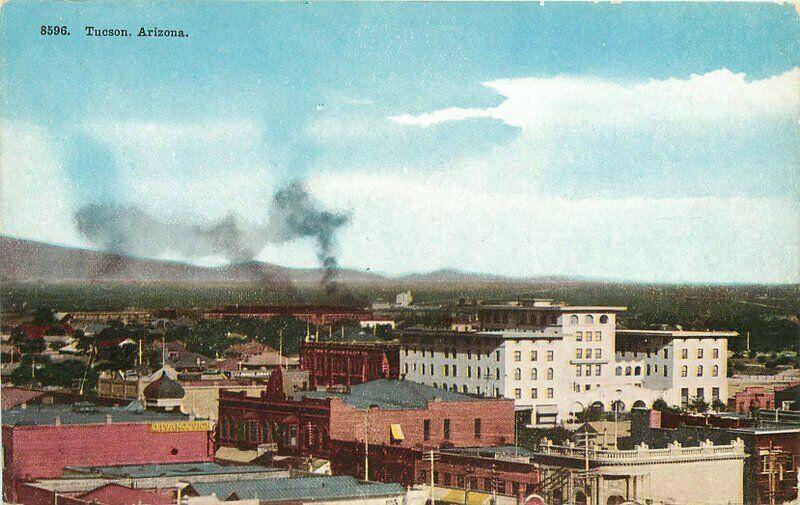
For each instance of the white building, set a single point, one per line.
(555, 359)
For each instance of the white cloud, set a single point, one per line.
(533, 103)
(413, 223)
(203, 169)
(35, 190)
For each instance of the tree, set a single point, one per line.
(43, 315)
(699, 405)
(718, 406)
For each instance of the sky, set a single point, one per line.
(644, 142)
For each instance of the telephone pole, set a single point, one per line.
(366, 444)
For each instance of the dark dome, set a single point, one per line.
(163, 388)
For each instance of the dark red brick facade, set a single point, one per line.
(348, 363)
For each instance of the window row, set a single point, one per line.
(636, 371)
(451, 353)
(588, 336)
(473, 483)
(465, 390)
(586, 370)
(534, 355)
(587, 353)
(549, 393)
(698, 371)
(534, 374)
(699, 353)
(588, 319)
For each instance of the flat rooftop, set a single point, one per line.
(297, 489)
(44, 415)
(163, 470)
(676, 333)
(390, 394)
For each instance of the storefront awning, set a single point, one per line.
(397, 432)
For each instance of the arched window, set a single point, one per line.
(699, 370)
(435, 385)
(637, 371)
(715, 371)
(517, 374)
(684, 371)
(619, 370)
(534, 374)
(454, 388)
(464, 389)
(573, 320)
(549, 374)
(589, 319)
(604, 319)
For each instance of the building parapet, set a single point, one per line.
(643, 453)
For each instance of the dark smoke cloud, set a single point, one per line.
(293, 214)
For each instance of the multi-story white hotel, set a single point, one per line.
(555, 359)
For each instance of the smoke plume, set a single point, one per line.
(293, 214)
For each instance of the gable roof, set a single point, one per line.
(11, 397)
(115, 494)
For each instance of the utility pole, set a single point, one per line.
(280, 346)
(366, 444)
(431, 458)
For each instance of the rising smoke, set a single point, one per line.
(293, 214)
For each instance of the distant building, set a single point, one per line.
(319, 315)
(752, 399)
(349, 363)
(787, 397)
(554, 360)
(39, 441)
(404, 299)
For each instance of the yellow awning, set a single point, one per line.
(397, 432)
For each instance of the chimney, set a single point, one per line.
(108, 419)
(23, 406)
(58, 420)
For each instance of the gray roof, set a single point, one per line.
(497, 451)
(168, 470)
(298, 488)
(36, 415)
(391, 394)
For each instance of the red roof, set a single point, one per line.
(115, 494)
(34, 330)
(11, 397)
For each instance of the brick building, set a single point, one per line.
(397, 419)
(39, 441)
(319, 315)
(752, 398)
(348, 363)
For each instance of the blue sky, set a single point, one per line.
(633, 141)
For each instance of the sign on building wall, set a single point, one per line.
(176, 426)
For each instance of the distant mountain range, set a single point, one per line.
(30, 261)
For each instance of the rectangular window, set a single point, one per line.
(497, 355)
(469, 353)
(426, 429)
(497, 374)
(701, 393)
(446, 429)
(534, 355)
(517, 355)
(598, 336)
(597, 369)
(587, 387)
(715, 394)
(517, 393)
(699, 354)
(478, 427)
(405, 368)
(469, 371)
(534, 393)
(549, 392)
(598, 353)
(588, 370)
(549, 355)
(684, 397)
(648, 370)
(445, 370)
(455, 371)
(578, 370)
(588, 336)
(578, 353)
(578, 336)
(666, 353)
(684, 353)
(478, 370)
(665, 370)
(715, 353)
(588, 353)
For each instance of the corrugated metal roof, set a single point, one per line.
(46, 415)
(170, 470)
(391, 394)
(298, 488)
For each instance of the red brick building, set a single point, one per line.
(348, 363)
(39, 441)
(752, 398)
(319, 315)
(398, 419)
